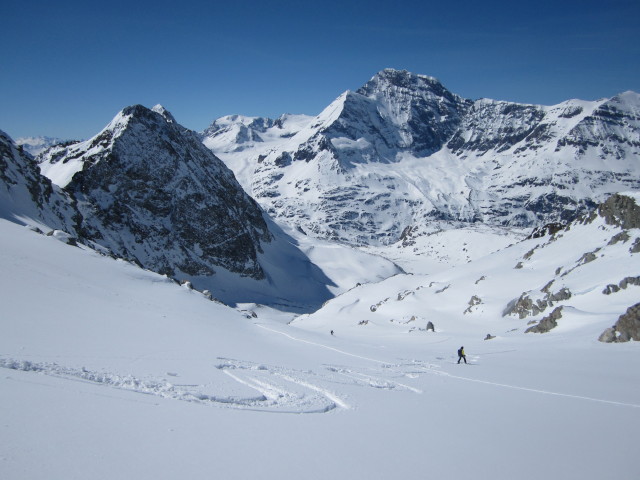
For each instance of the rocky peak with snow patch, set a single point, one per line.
(423, 111)
(151, 192)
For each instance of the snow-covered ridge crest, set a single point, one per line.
(60, 163)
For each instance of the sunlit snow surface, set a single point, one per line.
(108, 371)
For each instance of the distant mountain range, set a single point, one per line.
(36, 145)
(403, 157)
(401, 168)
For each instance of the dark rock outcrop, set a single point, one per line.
(626, 328)
(547, 323)
(620, 210)
(547, 229)
(525, 306)
(623, 284)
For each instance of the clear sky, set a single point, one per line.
(70, 66)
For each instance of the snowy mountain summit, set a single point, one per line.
(402, 157)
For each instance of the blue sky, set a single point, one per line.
(70, 66)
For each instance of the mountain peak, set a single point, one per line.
(140, 111)
(403, 80)
(404, 75)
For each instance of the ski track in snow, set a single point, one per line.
(278, 389)
(433, 369)
(534, 390)
(296, 339)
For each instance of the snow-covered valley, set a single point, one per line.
(110, 371)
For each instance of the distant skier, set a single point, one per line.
(331, 332)
(461, 355)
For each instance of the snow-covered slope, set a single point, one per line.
(576, 282)
(234, 135)
(110, 371)
(403, 154)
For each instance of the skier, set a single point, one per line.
(461, 355)
(331, 332)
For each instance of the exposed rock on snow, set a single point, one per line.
(548, 229)
(624, 283)
(621, 210)
(626, 328)
(522, 306)
(525, 306)
(547, 323)
(475, 300)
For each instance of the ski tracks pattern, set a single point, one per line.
(275, 389)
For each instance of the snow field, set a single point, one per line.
(116, 372)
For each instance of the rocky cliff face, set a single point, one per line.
(151, 192)
(403, 153)
(419, 108)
